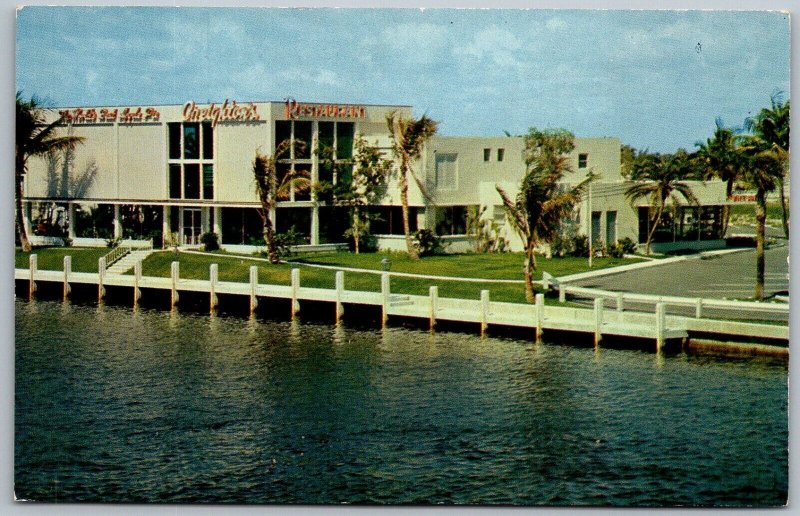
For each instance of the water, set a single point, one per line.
(148, 406)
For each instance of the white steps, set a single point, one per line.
(127, 262)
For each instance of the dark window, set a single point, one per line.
(191, 181)
(302, 170)
(583, 160)
(191, 141)
(241, 226)
(344, 140)
(302, 137)
(208, 182)
(500, 154)
(451, 220)
(487, 154)
(298, 219)
(174, 219)
(175, 181)
(281, 169)
(208, 141)
(283, 132)
(326, 140)
(174, 141)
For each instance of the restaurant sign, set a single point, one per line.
(742, 198)
(229, 111)
(126, 115)
(296, 109)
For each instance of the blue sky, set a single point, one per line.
(655, 79)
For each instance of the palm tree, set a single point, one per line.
(660, 178)
(271, 189)
(719, 156)
(543, 201)
(764, 172)
(770, 130)
(34, 137)
(408, 139)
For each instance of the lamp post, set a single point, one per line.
(589, 217)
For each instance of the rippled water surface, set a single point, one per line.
(116, 405)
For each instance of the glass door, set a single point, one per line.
(191, 226)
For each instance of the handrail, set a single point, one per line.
(115, 254)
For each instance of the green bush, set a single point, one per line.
(616, 250)
(580, 245)
(628, 246)
(428, 242)
(210, 241)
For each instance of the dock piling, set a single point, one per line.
(698, 308)
(484, 311)
(67, 272)
(295, 292)
(137, 279)
(620, 301)
(434, 307)
(101, 278)
(213, 275)
(539, 316)
(33, 266)
(339, 293)
(175, 272)
(385, 292)
(253, 286)
(661, 319)
(598, 321)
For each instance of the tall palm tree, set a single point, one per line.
(408, 139)
(661, 178)
(719, 156)
(271, 189)
(764, 172)
(770, 130)
(543, 200)
(34, 137)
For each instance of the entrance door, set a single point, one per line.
(191, 226)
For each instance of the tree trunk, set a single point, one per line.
(784, 208)
(356, 228)
(269, 239)
(21, 230)
(726, 210)
(530, 268)
(653, 229)
(412, 249)
(761, 219)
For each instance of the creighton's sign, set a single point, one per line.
(296, 109)
(227, 112)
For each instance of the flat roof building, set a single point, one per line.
(184, 170)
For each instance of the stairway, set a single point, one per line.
(127, 262)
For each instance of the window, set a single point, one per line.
(501, 154)
(451, 220)
(446, 171)
(583, 160)
(344, 140)
(186, 141)
(487, 154)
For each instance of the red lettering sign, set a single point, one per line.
(742, 198)
(227, 112)
(107, 115)
(295, 109)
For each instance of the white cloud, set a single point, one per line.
(412, 43)
(556, 24)
(322, 77)
(494, 44)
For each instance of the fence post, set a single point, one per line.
(253, 285)
(295, 292)
(339, 292)
(620, 301)
(598, 321)
(33, 265)
(562, 293)
(101, 278)
(484, 311)
(67, 272)
(213, 272)
(434, 305)
(137, 279)
(660, 325)
(175, 271)
(539, 316)
(385, 292)
(698, 308)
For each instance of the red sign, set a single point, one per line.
(227, 112)
(295, 109)
(91, 116)
(742, 198)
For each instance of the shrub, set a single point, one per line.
(285, 241)
(580, 245)
(210, 241)
(628, 246)
(599, 249)
(616, 250)
(428, 242)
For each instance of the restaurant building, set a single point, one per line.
(172, 173)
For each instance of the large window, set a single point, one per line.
(446, 171)
(684, 224)
(451, 220)
(191, 151)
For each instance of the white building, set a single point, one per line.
(183, 170)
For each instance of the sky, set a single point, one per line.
(657, 80)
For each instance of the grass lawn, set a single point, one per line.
(506, 266)
(748, 211)
(84, 259)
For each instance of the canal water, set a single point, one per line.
(152, 406)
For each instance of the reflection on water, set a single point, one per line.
(117, 405)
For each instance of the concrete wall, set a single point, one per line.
(236, 146)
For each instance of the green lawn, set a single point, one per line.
(84, 259)
(508, 266)
(748, 211)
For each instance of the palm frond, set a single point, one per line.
(514, 213)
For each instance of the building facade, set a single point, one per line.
(173, 173)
